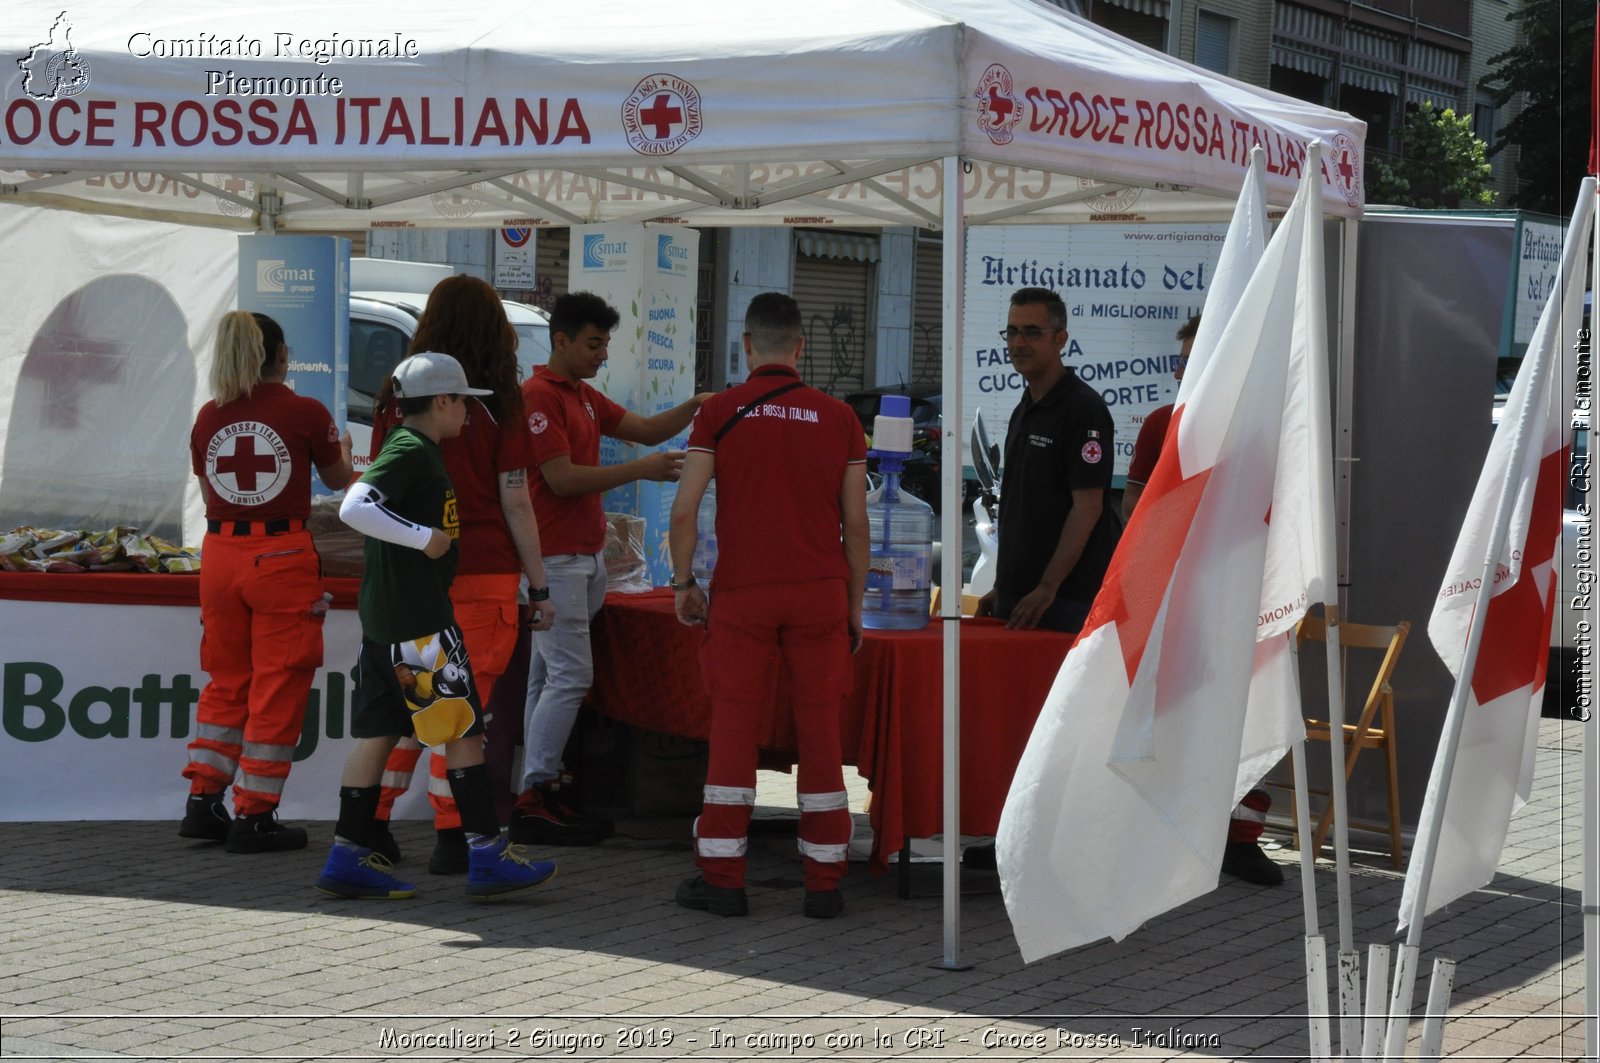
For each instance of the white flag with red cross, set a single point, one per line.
(1493, 770)
(1118, 810)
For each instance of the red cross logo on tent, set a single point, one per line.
(1343, 168)
(998, 110)
(661, 115)
(247, 463)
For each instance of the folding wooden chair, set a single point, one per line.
(969, 604)
(1374, 728)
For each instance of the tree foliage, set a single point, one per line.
(1444, 164)
(1552, 66)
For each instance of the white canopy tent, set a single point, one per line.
(833, 111)
(939, 113)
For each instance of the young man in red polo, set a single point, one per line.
(566, 418)
(792, 542)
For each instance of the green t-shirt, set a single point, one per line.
(404, 593)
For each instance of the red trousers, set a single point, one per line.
(797, 634)
(261, 646)
(1250, 817)
(486, 612)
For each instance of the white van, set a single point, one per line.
(383, 320)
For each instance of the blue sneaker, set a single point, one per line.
(361, 873)
(504, 867)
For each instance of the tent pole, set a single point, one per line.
(1343, 462)
(950, 530)
(1591, 869)
(1590, 752)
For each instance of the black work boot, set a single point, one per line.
(450, 855)
(262, 833)
(205, 818)
(1246, 860)
(700, 895)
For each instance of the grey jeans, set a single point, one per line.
(561, 666)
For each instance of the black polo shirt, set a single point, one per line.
(1054, 446)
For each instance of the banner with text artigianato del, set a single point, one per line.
(1128, 288)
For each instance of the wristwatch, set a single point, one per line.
(538, 594)
(685, 585)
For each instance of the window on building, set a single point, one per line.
(1483, 118)
(1213, 42)
(1377, 109)
(1135, 25)
(1301, 85)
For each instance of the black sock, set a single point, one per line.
(358, 807)
(470, 788)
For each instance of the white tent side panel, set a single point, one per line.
(100, 382)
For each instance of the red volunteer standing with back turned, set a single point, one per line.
(261, 595)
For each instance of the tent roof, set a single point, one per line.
(698, 112)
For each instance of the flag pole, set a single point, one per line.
(1316, 947)
(1445, 757)
(1314, 317)
(1591, 740)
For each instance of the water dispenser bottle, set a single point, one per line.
(705, 537)
(900, 562)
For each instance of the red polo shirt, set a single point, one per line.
(567, 417)
(256, 453)
(486, 447)
(778, 471)
(1147, 448)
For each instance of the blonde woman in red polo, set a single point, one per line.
(253, 447)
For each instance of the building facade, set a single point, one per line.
(871, 300)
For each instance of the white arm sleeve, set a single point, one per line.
(364, 510)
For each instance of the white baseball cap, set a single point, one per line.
(431, 373)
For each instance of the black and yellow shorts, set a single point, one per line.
(421, 687)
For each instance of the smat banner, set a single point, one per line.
(649, 274)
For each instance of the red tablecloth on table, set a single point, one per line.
(131, 588)
(647, 673)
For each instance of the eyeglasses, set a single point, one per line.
(1027, 332)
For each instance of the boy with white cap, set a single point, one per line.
(415, 677)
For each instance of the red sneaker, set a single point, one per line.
(537, 820)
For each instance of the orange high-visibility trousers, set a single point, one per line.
(261, 646)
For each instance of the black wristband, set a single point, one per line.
(538, 594)
(685, 585)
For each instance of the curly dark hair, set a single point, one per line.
(464, 319)
(574, 310)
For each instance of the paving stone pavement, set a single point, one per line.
(122, 941)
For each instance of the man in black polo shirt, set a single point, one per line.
(1058, 527)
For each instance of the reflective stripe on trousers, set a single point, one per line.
(260, 647)
(719, 848)
(757, 636)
